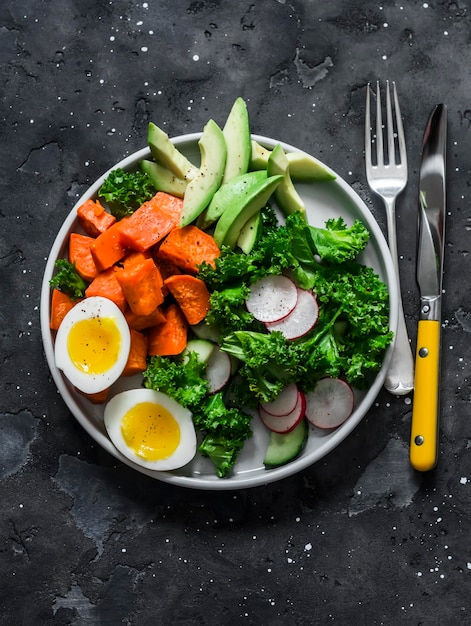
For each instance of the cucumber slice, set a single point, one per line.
(285, 448)
(202, 347)
(203, 331)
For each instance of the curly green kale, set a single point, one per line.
(336, 243)
(182, 381)
(292, 246)
(352, 333)
(225, 432)
(225, 429)
(68, 280)
(126, 191)
(269, 362)
(228, 312)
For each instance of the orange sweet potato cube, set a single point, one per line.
(106, 285)
(93, 218)
(141, 282)
(151, 222)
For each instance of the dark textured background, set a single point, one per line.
(358, 538)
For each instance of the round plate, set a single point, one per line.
(323, 200)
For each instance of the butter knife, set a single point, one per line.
(431, 232)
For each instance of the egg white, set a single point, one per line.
(93, 307)
(122, 403)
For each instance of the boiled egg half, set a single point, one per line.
(151, 429)
(92, 344)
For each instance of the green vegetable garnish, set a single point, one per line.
(225, 429)
(349, 339)
(68, 280)
(126, 191)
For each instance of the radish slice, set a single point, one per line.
(301, 319)
(284, 423)
(284, 403)
(330, 403)
(272, 298)
(218, 370)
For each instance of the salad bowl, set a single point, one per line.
(323, 200)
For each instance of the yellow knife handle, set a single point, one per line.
(425, 410)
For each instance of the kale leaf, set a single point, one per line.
(68, 280)
(126, 191)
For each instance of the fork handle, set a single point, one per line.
(400, 377)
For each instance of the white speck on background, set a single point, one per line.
(144, 49)
(196, 57)
(463, 480)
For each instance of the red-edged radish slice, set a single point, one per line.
(284, 403)
(272, 298)
(330, 403)
(284, 423)
(301, 319)
(218, 370)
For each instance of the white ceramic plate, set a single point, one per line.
(323, 200)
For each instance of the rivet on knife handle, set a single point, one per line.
(425, 411)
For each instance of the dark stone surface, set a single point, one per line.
(358, 537)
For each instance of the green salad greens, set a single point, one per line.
(349, 339)
(126, 191)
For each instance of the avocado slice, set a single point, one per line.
(302, 166)
(165, 153)
(249, 233)
(163, 179)
(237, 135)
(229, 194)
(204, 185)
(230, 223)
(259, 156)
(286, 195)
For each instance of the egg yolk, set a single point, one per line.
(93, 344)
(150, 431)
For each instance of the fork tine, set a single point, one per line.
(390, 127)
(400, 129)
(379, 127)
(368, 127)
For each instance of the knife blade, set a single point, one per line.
(430, 252)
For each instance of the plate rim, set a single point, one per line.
(239, 481)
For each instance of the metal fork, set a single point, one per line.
(387, 177)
